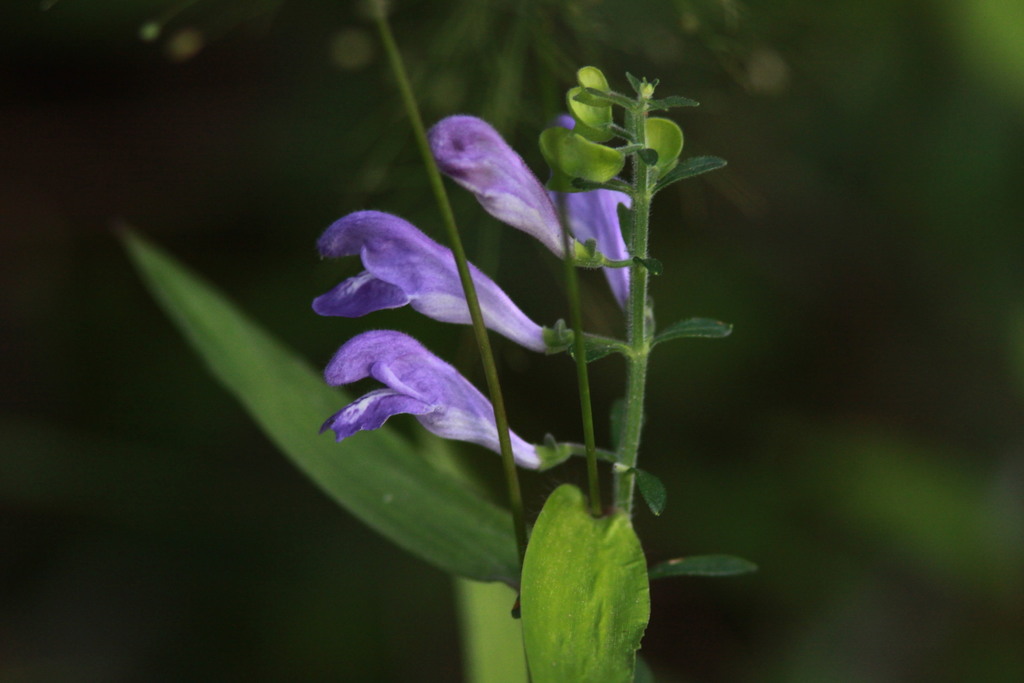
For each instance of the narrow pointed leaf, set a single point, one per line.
(599, 347)
(652, 490)
(649, 156)
(378, 477)
(673, 101)
(585, 596)
(634, 81)
(703, 565)
(688, 168)
(694, 327)
(651, 264)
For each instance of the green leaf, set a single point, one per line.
(598, 347)
(492, 641)
(649, 156)
(694, 327)
(585, 595)
(703, 565)
(673, 101)
(689, 168)
(634, 81)
(652, 490)
(651, 264)
(376, 476)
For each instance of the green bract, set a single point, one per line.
(571, 156)
(665, 138)
(591, 119)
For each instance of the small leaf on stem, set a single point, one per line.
(703, 565)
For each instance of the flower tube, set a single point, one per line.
(418, 383)
(474, 155)
(404, 266)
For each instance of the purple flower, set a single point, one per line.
(475, 156)
(418, 383)
(404, 266)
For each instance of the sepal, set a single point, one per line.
(593, 117)
(571, 156)
(552, 453)
(665, 137)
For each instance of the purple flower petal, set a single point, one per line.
(405, 266)
(594, 215)
(359, 295)
(475, 156)
(372, 411)
(419, 383)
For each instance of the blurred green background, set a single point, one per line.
(859, 436)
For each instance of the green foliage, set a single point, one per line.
(652, 489)
(378, 477)
(694, 327)
(585, 598)
(492, 641)
(689, 168)
(703, 565)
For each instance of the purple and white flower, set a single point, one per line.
(474, 154)
(404, 266)
(418, 383)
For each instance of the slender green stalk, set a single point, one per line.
(572, 285)
(486, 354)
(639, 328)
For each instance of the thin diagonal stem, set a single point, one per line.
(572, 285)
(448, 217)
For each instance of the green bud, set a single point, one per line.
(665, 138)
(572, 156)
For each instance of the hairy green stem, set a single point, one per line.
(483, 342)
(639, 327)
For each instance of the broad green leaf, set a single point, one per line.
(585, 597)
(703, 565)
(376, 476)
(694, 327)
(688, 168)
(652, 490)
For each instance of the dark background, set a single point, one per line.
(859, 436)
